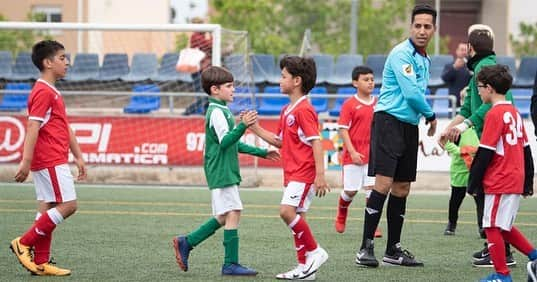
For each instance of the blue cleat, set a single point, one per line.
(238, 270)
(532, 271)
(496, 277)
(182, 251)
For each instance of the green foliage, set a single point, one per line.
(277, 26)
(22, 40)
(526, 43)
(181, 41)
(444, 45)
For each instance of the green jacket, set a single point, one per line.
(473, 107)
(458, 170)
(221, 157)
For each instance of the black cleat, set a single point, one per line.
(479, 255)
(450, 229)
(532, 271)
(487, 262)
(400, 257)
(366, 256)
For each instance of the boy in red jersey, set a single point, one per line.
(302, 159)
(46, 148)
(355, 129)
(502, 170)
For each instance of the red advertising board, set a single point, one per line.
(170, 141)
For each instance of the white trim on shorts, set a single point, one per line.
(299, 195)
(225, 200)
(54, 184)
(355, 177)
(500, 210)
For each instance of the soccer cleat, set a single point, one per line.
(295, 274)
(182, 251)
(400, 257)
(532, 271)
(236, 269)
(450, 229)
(23, 254)
(378, 233)
(49, 269)
(484, 253)
(366, 256)
(497, 277)
(314, 260)
(487, 262)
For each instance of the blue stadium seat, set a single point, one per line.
(24, 68)
(141, 104)
(325, 67)
(345, 63)
(336, 108)
(263, 67)
(441, 107)
(5, 64)
(526, 72)
(437, 66)
(143, 67)
(14, 101)
(522, 97)
(85, 67)
(319, 104)
(237, 65)
(115, 65)
(166, 71)
(376, 63)
(272, 105)
(508, 61)
(243, 103)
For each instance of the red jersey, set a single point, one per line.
(504, 133)
(45, 104)
(297, 127)
(356, 116)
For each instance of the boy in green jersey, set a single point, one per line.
(221, 166)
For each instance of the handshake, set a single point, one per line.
(248, 117)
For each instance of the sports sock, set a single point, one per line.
(302, 231)
(42, 227)
(203, 232)
(373, 211)
(497, 250)
(455, 201)
(231, 246)
(533, 255)
(300, 249)
(42, 247)
(395, 214)
(343, 204)
(517, 239)
(367, 194)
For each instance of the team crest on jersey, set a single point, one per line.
(408, 70)
(290, 120)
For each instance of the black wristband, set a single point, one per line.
(431, 118)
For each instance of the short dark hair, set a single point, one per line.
(303, 67)
(357, 71)
(45, 49)
(214, 76)
(423, 9)
(481, 40)
(497, 76)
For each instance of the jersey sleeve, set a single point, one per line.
(219, 123)
(345, 116)
(40, 105)
(492, 130)
(308, 121)
(279, 131)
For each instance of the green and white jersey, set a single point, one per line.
(222, 146)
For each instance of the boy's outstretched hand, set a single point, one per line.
(273, 155)
(248, 117)
(320, 185)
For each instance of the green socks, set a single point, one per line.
(231, 245)
(203, 232)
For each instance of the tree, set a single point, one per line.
(526, 43)
(20, 40)
(277, 26)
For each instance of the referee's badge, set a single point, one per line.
(290, 120)
(408, 70)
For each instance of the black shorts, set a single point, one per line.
(394, 148)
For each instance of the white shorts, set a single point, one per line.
(500, 210)
(55, 184)
(225, 200)
(299, 195)
(355, 177)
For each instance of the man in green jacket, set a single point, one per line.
(221, 166)
(472, 114)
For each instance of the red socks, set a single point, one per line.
(302, 234)
(496, 246)
(518, 240)
(42, 228)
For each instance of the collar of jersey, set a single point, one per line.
(291, 107)
(48, 84)
(217, 102)
(502, 103)
(370, 102)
